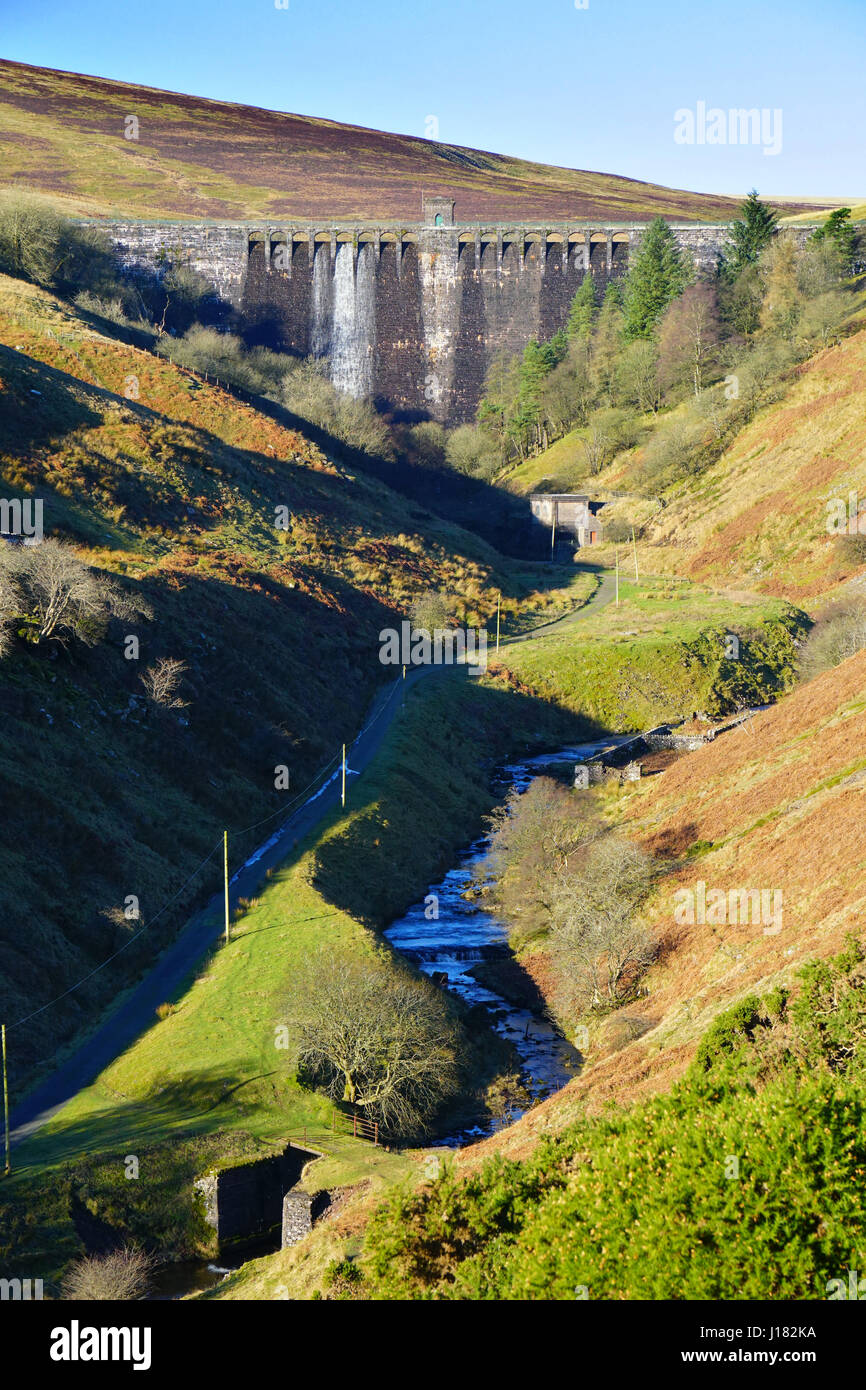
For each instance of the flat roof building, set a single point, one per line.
(567, 515)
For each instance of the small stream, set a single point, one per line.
(465, 934)
(177, 1278)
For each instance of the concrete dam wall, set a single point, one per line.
(411, 317)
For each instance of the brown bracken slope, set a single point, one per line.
(63, 134)
(779, 803)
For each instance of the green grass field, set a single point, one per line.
(660, 654)
(207, 1083)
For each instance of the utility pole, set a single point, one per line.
(498, 609)
(6, 1100)
(634, 548)
(226, 877)
(553, 531)
(343, 793)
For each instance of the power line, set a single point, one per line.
(286, 811)
(109, 959)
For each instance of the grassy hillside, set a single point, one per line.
(660, 655)
(194, 1091)
(757, 518)
(744, 1043)
(174, 493)
(63, 134)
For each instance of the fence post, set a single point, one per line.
(376, 1133)
(354, 1126)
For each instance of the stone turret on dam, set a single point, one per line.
(410, 316)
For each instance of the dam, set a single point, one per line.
(409, 316)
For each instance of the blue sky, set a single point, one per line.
(591, 88)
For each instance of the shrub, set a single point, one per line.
(469, 449)
(342, 1279)
(123, 1274)
(306, 391)
(728, 1032)
(58, 594)
(646, 1203)
(839, 632)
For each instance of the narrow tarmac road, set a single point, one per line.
(136, 1012)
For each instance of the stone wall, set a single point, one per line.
(412, 316)
(247, 1200)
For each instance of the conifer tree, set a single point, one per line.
(750, 234)
(839, 231)
(656, 276)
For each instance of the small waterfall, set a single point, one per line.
(320, 328)
(353, 335)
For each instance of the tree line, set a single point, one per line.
(662, 335)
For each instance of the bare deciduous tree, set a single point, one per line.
(122, 1274)
(161, 681)
(689, 335)
(10, 607)
(597, 445)
(534, 835)
(599, 947)
(839, 632)
(376, 1037)
(60, 594)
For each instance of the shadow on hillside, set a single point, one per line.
(388, 853)
(61, 408)
(496, 516)
(194, 1105)
(275, 676)
(25, 423)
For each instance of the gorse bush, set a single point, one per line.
(743, 1183)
